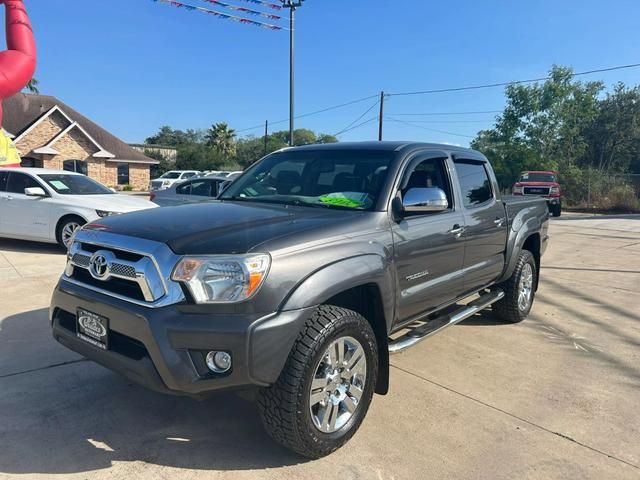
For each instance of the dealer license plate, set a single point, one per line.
(92, 328)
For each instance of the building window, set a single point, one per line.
(78, 166)
(30, 162)
(123, 174)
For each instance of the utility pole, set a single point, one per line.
(380, 117)
(266, 133)
(292, 5)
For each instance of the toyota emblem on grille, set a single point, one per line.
(99, 265)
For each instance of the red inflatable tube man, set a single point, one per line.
(17, 65)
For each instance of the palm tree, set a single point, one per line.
(222, 139)
(32, 86)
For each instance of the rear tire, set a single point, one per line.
(519, 290)
(322, 396)
(556, 210)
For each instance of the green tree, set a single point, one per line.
(32, 86)
(222, 139)
(172, 138)
(614, 135)
(543, 125)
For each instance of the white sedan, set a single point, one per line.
(49, 205)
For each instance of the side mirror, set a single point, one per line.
(425, 200)
(113, 190)
(35, 192)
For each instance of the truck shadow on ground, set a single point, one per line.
(25, 246)
(75, 416)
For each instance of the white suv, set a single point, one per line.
(169, 178)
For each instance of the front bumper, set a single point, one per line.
(163, 348)
(552, 200)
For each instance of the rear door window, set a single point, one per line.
(196, 187)
(474, 183)
(19, 181)
(201, 188)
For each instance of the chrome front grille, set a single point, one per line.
(132, 269)
(81, 260)
(123, 271)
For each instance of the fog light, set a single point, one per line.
(218, 362)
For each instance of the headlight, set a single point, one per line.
(554, 190)
(105, 213)
(517, 190)
(166, 182)
(220, 279)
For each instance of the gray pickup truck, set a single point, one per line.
(301, 278)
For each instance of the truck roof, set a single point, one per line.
(385, 145)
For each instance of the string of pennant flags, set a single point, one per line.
(244, 10)
(266, 4)
(233, 18)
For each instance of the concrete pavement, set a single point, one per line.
(553, 397)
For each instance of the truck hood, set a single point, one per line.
(221, 227)
(110, 202)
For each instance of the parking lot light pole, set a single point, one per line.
(292, 5)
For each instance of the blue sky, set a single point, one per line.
(134, 65)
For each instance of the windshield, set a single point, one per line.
(171, 175)
(341, 179)
(75, 184)
(538, 177)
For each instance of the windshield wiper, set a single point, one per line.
(236, 198)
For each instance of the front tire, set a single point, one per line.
(66, 228)
(326, 386)
(556, 210)
(519, 290)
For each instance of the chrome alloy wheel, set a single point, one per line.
(67, 232)
(338, 384)
(525, 287)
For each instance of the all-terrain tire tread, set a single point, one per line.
(278, 403)
(507, 309)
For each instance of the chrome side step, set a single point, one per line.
(438, 324)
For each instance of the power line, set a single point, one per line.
(357, 126)
(449, 121)
(428, 114)
(514, 82)
(428, 129)
(346, 129)
(334, 107)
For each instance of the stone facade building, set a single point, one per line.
(50, 134)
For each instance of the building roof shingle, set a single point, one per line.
(22, 110)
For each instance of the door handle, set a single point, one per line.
(8, 197)
(499, 221)
(457, 230)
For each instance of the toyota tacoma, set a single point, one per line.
(301, 278)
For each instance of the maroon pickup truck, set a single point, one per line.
(541, 184)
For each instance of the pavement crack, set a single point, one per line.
(11, 264)
(55, 365)
(512, 415)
